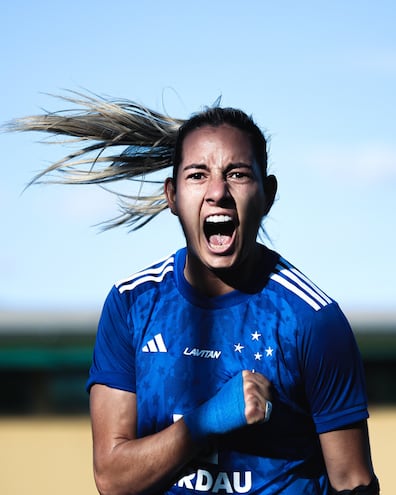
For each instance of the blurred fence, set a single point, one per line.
(45, 358)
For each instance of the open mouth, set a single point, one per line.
(219, 231)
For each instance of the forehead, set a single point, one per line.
(223, 141)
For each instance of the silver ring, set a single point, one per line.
(268, 410)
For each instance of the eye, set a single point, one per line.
(196, 176)
(239, 176)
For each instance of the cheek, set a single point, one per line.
(256, 206)
(187, 212)
(188, 202)
(261, 203)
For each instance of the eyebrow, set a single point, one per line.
(229, 167)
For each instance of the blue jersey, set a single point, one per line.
(175, 348)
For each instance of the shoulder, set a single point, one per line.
(149, 277)
(141, 286)
(303, 305)
(319, 321)
(297, 289)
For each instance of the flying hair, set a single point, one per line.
(119, 140)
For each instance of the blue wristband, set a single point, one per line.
(223, 413)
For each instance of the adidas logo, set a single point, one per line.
(155, 345)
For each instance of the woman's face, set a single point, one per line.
(218, 196)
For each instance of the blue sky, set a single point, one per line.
(318, 77)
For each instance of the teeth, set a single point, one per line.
(219, 218)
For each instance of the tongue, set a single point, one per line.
(219, 239)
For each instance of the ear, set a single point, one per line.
(270, 188)
(170, 194)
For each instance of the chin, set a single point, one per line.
(223, 262)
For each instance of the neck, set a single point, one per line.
(244, 277)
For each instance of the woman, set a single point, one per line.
(221, 368)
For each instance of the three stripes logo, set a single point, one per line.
(293, 280)
(156, 344)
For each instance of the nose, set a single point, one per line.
(217, 190)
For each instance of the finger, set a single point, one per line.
(257, 393)
(257, 382)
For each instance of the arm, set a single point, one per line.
(347, 457)
(335, 388)
(125, 464)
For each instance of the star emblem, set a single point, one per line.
(238, 347)
(269, 351)
(258, 356)
(256, 335)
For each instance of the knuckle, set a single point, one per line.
(254, 411)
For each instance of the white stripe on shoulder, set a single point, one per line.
(299, 284)
(316, 288)
(307, 288)
(296, 291)
(153, 274)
